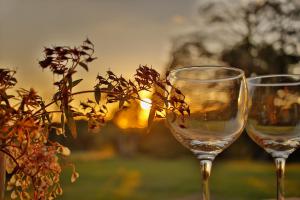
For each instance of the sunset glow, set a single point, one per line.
(145, 104)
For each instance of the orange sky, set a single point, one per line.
(126, 33)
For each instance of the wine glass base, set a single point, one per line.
(204, 156)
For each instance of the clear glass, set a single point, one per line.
(217, 97)
(274, 118)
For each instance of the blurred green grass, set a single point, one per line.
(145, 178)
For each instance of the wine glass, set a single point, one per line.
(274, 118)
(217, 97)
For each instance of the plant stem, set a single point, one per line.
(84, 92)
(280, 170)
(205, 172)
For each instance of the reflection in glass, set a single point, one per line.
(217, 97)
(274, 118)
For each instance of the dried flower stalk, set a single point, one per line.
(33, 160)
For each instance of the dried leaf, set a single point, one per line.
(182, 126)
(110, 73)
(82, 64)
(74, 177)
(45, 63)
(14, 195)
(151, 117)
(86, 47)
(65, 151)
(177, 91)
(110, 87)
(59, 190)
(74, 83)
(90, 59)
(97, 94)
(88, 41)
(70, 82)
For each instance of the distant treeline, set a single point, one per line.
(158, 143)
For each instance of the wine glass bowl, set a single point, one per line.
(274, 118)
(217, 98)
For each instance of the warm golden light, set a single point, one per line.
(123, 123)
(145, 104)
(136, 116)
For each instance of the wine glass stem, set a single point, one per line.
(280, 170)
(205, 172)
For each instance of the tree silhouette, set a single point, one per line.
(260, 36)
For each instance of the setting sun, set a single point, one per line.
(138, 112)
(145, 104)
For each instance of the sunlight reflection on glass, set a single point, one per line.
(274, 118)
(217, 97)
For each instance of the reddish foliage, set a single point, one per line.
(34, 160)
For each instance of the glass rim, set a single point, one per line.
(249, 80)
(173, 72)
